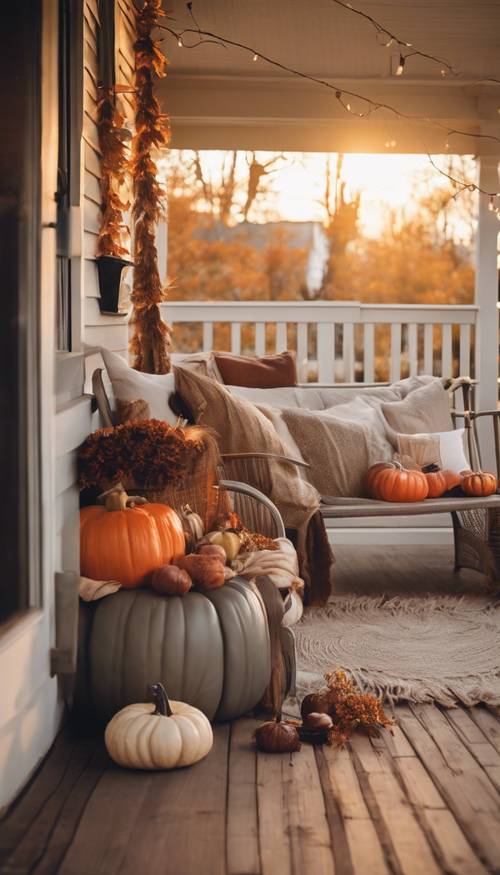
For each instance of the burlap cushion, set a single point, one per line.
(339, 451)
(241, 428)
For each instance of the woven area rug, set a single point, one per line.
(430, 649)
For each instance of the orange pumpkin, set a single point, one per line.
(479, 484)
(440, 481)
(389, 481)
(206, 572)
(126, 544)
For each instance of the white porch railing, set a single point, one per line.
(336, 341)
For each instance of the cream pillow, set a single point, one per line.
(131, 385)
(424, 410)
(446, 449)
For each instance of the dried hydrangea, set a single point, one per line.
(351, 709)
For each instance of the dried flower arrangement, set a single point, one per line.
(150, 343)
(149, 453)
(114, 163)
(348, 707)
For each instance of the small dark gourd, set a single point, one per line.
(206, 572)
(316, 722)
(317, 703)
(277, 737)
(171, 580)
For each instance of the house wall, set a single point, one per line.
(32, 701)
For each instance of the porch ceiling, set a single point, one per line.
(220, 98)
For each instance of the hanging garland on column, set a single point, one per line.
(114, 166)
(150, 343)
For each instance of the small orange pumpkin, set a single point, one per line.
(171, 580)
(391, 482)
(440, 481)
(478, 484)
(126, 543)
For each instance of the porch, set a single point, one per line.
(422, 802)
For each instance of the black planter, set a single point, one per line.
(109, 269)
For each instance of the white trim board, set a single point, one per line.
(356, 536)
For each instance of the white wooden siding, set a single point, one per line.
(108, 331)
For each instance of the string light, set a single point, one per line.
(206, 37)
(401, 65)
(180, 43)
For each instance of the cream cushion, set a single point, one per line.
(131, 385)
(427, 409)
(446, 449)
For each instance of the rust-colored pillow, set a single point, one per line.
(268, 372)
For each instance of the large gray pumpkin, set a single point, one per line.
(210, 650)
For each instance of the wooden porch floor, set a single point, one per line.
(424, 802)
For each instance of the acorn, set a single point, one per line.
(318, 722)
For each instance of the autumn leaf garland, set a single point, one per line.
(150, 343)
(114, 165)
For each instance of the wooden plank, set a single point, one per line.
(356, 846)
(412, 350)
(281, 337)
(236, 338)
(446, 351)
(369, 352)
(208, 336)
(242, 820)
(91, 159)
(310, 840)
(348, 352)
(476, 743)
(260, 338)
(488, 723)
(91, 188)
(302, 351)
(420, 789)
(395, 373)
(455, 853)
(156, 822)
(274, 834)
(465, 351)
(326, 352)
(399, 829)
(31, 845)
(428, 348)
(465, 797)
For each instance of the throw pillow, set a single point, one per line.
(241, 428)
(446, 449)
(131, 385)
(268, 372)
(339, 451)
(424, 410)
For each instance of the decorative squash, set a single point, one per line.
(230, 541)
(192, 524)
(316, 703)
(213, 550)
(207, 572)
(277, 737)
(158, 735)
(317, 722)
(210, 649)
(440, 481)
(127, 543)
(171, 580)
(479, 484)
(392, 482)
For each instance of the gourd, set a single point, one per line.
(479, 484)
(192, 524)
(207, 572)
(391, 482)
(126, 543)
(159, 735)
(316, 703)
(317, 722)
(209, 649)
(171, 580)
(230, 541)
(213, 550)
(277, 737)
(440, 481)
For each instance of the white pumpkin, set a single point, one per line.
(158, 735)
(192, 524)
(230, 541)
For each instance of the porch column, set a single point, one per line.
(486, 297)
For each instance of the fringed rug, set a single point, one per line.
(434, 649)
